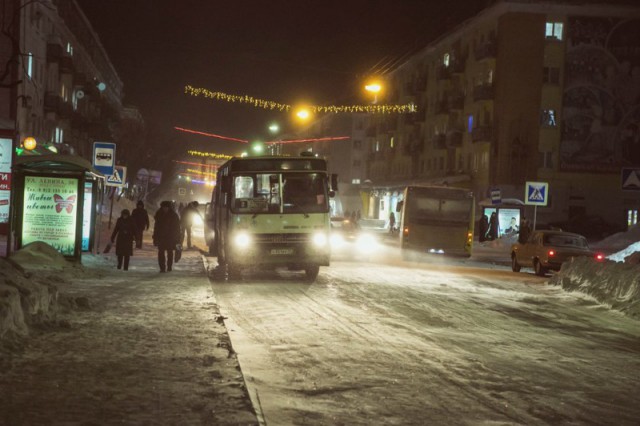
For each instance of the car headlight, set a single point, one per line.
(319, 239)
(242, 240)
(197, 220)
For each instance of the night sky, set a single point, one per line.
(281, 50)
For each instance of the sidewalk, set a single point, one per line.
(134, 347)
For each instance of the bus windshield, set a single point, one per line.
(292, 192)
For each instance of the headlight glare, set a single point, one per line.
(242, 240)
(319, 239)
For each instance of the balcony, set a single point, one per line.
(456, 101)
(443, 73)
(52, 102)
(66, 64)
(54, 52)
(487, 50)
(458, 66)
(440, 141)
(483, 93)
(454, 139)
(442, 107)
(482, 134)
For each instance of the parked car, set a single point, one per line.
(546, 250)
(350, 240)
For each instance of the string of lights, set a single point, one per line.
(271, 105)
(209, 155)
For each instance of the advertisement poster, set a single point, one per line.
(49, 213)
(86, 215)
(509, 220)
(5, 178)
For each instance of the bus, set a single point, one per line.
(436, 220)
(271, 212)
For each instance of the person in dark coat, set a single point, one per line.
(493, 227)
(186, 220)
(123, 235)
(392, 223)
(166, 234)
(483, 227)
(141, 219)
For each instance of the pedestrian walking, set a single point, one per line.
(141, 219)
(166, 234)
(392, 223)
(493, 227)
(483, 227)
(186, 220)
(123, 235)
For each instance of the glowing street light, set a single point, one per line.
(303, 113)
(30, 143)
(274, 128)
(375, 88)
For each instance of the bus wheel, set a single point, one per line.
(515, 266)
(311, 273)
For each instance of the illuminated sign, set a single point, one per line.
(5, 178)
(86, 215)
(50, 212)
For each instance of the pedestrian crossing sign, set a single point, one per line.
(536, 193)
(630, 179)
(118, 178)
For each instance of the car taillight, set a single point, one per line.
(599, 257)
(551, 253)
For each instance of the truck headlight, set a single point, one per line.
(366, 243)
(319, 239)
(242, 240)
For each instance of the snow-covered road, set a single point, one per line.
(372, 343)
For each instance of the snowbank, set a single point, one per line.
(611, 283)
(619, 241)
(28, 294)
(626, 254)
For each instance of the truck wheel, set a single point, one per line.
(311, 273)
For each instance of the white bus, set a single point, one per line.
(437, 220)
(271, 212)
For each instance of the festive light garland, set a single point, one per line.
(209, 155)
(334, 138)
(211, 135)
(209, 166)
(271, 105)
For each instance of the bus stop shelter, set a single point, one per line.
(57, 200)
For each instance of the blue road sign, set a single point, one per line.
(104, 157)
(536, 193)
(496, 196)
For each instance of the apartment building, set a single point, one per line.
(523, 91)
(69, 93)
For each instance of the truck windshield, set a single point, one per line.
(294, 192)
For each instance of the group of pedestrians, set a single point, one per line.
(169, 232)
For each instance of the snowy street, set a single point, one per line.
(380, 343)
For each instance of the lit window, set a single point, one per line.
(446, 59)
(377, 146)
(470, 124)
(355, 181)
(391, 142)
(554, 30)
(548, 118)
(30, 65)
(58, 135)
(632, 217)
(69, 49)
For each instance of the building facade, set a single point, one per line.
(524, 91)
(69, 94)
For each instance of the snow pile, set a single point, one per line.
(629, 254)
(619, 241)
(611, 283)
(28, 294)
